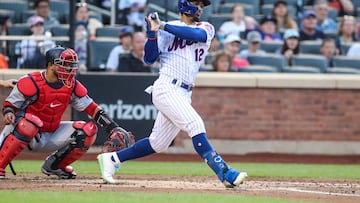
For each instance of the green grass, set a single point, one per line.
(174, 168)
(199, 168)
(129, 197)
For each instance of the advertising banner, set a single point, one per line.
(123, 97)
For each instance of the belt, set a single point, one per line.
(182, 85)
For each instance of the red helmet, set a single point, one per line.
(67, 61)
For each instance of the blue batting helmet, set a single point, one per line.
(185, 6)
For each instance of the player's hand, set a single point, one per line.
(8, 83)
(152, 24)
(9, 118)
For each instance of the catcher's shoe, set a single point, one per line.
(108, 167)
(234, 178)
(66, 173)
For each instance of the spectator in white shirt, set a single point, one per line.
(238, 24)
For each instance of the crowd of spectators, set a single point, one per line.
(286, 25)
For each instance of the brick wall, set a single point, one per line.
(279, 114)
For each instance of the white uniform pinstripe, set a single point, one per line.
(181, 60)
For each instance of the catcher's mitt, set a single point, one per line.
(118, 139)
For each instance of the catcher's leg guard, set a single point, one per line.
(25, 129)
(58, 163)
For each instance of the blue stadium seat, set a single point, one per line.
(19, 29)
(60, 31)
(317, 61)
(258, 69)
(266, 9)
(25, 15)
(97, 59)
(301, 69)
(310, 47)
(226, 8)
(108, 31)
(333, 13)
(62, 8)
(289, 2)
(254, 3)
(274, 60)
(271, 46)
(342, 70)
(17, 6)
(10, 13)
(347, 61)
(217, 19)
(345, 48)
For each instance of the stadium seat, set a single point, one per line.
(310, 47)
(25, 15)
(274, 60)
(227, 7)
(16, 6)
(244, 45)
(62, 8)
(342, 70)
(317, 61)
(16, 29)
(333, 13)
(271, 46)
(347, 61)
(258, 69)
(107, 31)
(98, 52)
(10, 13)
(289, 2)
(217, 19)
(254, 3)
(266, 9)
(331, 34)
(60, 31)
(206, 13)
(345, 48)
(19, 29)
(301, 69)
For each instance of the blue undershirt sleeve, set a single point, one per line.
(186, 32)
(151, 51)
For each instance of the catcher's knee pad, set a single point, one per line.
(27, 127)
(85, 133)
(83, 137)
(24, 130)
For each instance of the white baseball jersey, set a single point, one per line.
(180, 60)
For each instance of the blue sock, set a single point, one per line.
(140, 149)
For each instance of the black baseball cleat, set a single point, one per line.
(67, 173)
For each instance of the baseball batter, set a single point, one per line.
(181, 46)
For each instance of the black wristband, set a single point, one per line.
(105, 121)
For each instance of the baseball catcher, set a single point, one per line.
(33, 111)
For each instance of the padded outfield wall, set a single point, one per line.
(243, 112)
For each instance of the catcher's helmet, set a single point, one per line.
(185, 6)
(67, 61)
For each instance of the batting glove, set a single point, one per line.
(152, 25)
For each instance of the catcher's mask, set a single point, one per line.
(67, 61)
(185, 6)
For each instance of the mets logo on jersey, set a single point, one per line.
(180, 43)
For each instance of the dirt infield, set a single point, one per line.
(294, 189)
(319, 190)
